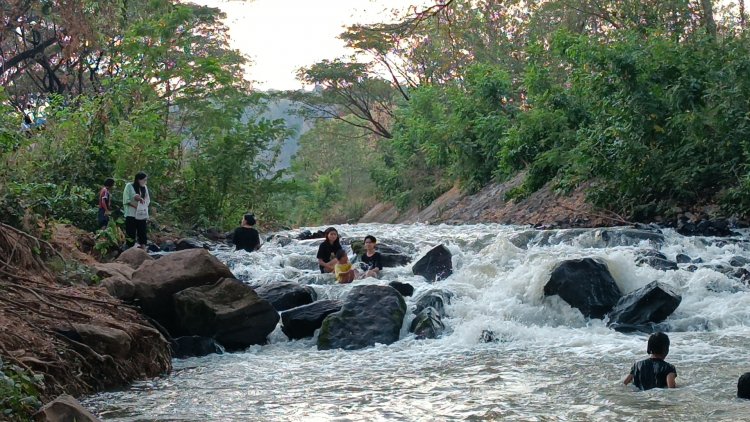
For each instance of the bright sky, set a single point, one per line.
(280, 36)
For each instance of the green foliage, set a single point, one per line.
(67, 203)
(19, 392)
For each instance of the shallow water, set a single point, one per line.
(549, 363)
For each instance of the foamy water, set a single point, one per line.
(549, 363)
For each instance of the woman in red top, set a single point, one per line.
(105, 203)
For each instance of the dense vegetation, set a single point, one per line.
(644, 102)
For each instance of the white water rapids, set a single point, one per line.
(549, 363)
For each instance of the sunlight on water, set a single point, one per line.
(549, 363)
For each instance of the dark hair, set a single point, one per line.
(372, 238)
(250, 218)
(658, 344)
(139, 189)
(109, 182)
(743, 386)
(337, 243)
(340, 253)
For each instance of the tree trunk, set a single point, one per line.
(708, 17)
(743, 24)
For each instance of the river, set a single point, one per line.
(548, 362)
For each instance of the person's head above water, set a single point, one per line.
(743, 386)
(249, 219)
(658, 344)
(331, 235)
(342, 257)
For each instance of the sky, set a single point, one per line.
(280, 36)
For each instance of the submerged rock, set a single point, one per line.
(228, 311)
(302, 321)
(682, 258)
(190, 346)
(285, 295)
(436, 299)
(427, 324)
(370, 314)
(585, 284)
(657, 262)
(435, 264)
(641, 308)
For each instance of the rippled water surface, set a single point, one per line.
(549, 363)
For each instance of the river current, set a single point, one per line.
(548, 362)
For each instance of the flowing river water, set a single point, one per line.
(548, 362)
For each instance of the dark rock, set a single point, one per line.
(302, 321)
(214, 234)
(436, 299)
(743, 386)
(585, 284)
(435, 265)
(488, 336)
(134, 257)
(153, 248)
(658, 263)
(739, 261)
(652, 253)
(286, 295)
(405, 289)
(681, 258)
(64, 409)
(104, 340)
(648, 305)
(168, 246)
(155, 282)
(189, 346)
(742, 275)
(392, 256)
(189, 243)
(718, 228)
(698, 260)
(228, 311)
(370, 314)
(427, 324)
(307, 234)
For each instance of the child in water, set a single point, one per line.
(654, 372)
(343, 269)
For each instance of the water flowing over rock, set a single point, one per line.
(641, 308)
(228, 311)
(435, 265)
(302, 321)
(718, 228)
(681, 258)
(405, 289)
(134, 257)
(371, 314)
(65, 408)
(189, 346)
(657, 260)
(156, 282)
(595, 238)
(436, 299)
(189, 243)
(585, 284)
(286, 295)
(427, 324)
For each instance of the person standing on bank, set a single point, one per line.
(105, 203)
(327, 250)
(135, 201)
(245, 236)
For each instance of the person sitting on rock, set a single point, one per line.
(654, 372)
(328, 249)
(344, 272)
(743, 386)
(245, 236)
(371, 261)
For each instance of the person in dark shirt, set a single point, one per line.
(654, 372)
(105, 203)
(372, 262)
(327, 250)
(245, 236)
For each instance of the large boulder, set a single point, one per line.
(189, 346)
(435, 264)
(134, 257)
(641, 308)
(405, 289)
(119, 287)
(427, 324)
(585, 284)
(228, 311)
(302, 321)
(156, 281)
(105, 340)
(109, 269)
(285, 295)
(371, 314)
(64, 409)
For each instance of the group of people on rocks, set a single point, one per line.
(655, 372)
(135, 203)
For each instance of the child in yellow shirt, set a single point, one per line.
(344, 271)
